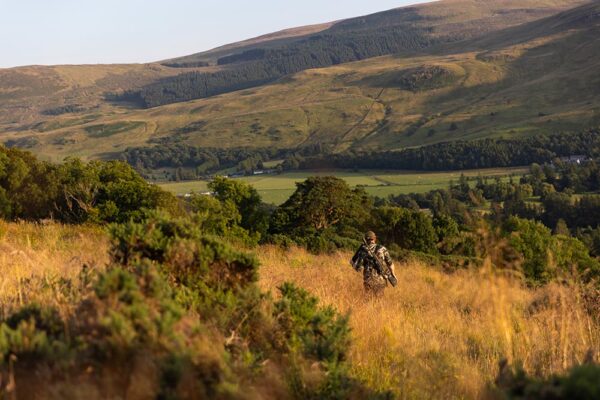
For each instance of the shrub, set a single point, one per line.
(75, 191)
(580, 383)
(254, 216)
(34, 333)
(318, 332)
(409, 229)
(221, 218)
(545, 256)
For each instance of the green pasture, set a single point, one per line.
(277, 188)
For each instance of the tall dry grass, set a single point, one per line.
(434, 336)
(43, 264)
(438, 335)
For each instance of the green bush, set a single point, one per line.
(319, 332)
(408, 229)
(254, 215)
(222, 218)
(187, 254)
(75, 191)
(546, 256)
(34, 333)
(580, 383)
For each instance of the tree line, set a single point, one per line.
(474, 154)
(207, 160)
(457, 155)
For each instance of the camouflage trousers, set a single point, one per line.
(373, 282)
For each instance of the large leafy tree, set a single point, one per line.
(409, 229)
(320, 204)
(243, 197)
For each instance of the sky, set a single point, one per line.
(51, 32)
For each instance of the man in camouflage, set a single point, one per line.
(373, 280)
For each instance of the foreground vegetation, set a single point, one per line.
(436, 335)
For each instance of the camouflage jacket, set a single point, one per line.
(363, 259)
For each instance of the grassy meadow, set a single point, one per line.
(277, 189)
(438, 335)
(434, 336)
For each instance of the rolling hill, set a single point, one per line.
(467, 70)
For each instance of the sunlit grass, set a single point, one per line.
(438, 335)
(42, 264)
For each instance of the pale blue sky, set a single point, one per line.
(121, 31)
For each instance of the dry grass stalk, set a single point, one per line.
(42, 263)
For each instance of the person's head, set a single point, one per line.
(370, 237)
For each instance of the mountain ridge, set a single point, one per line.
(495, 85)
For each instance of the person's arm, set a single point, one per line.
(357, 260)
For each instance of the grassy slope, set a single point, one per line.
(434, 336)
(277, 188)
(438, 335)
(523, 80)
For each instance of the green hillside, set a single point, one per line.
(514, 79)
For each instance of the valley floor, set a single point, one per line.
(277, 188)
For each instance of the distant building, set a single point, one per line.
(264, 171)
(575, 159)
(189, 195)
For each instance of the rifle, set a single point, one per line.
(382, 267)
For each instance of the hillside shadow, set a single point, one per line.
(559, 70)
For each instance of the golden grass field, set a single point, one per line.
(438, 335)
(434, 336)
(39, 263)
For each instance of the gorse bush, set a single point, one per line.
(581, 382)
(321, 333)
(546, 256)
(186, 307)
(314, 333)
(33, 333)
